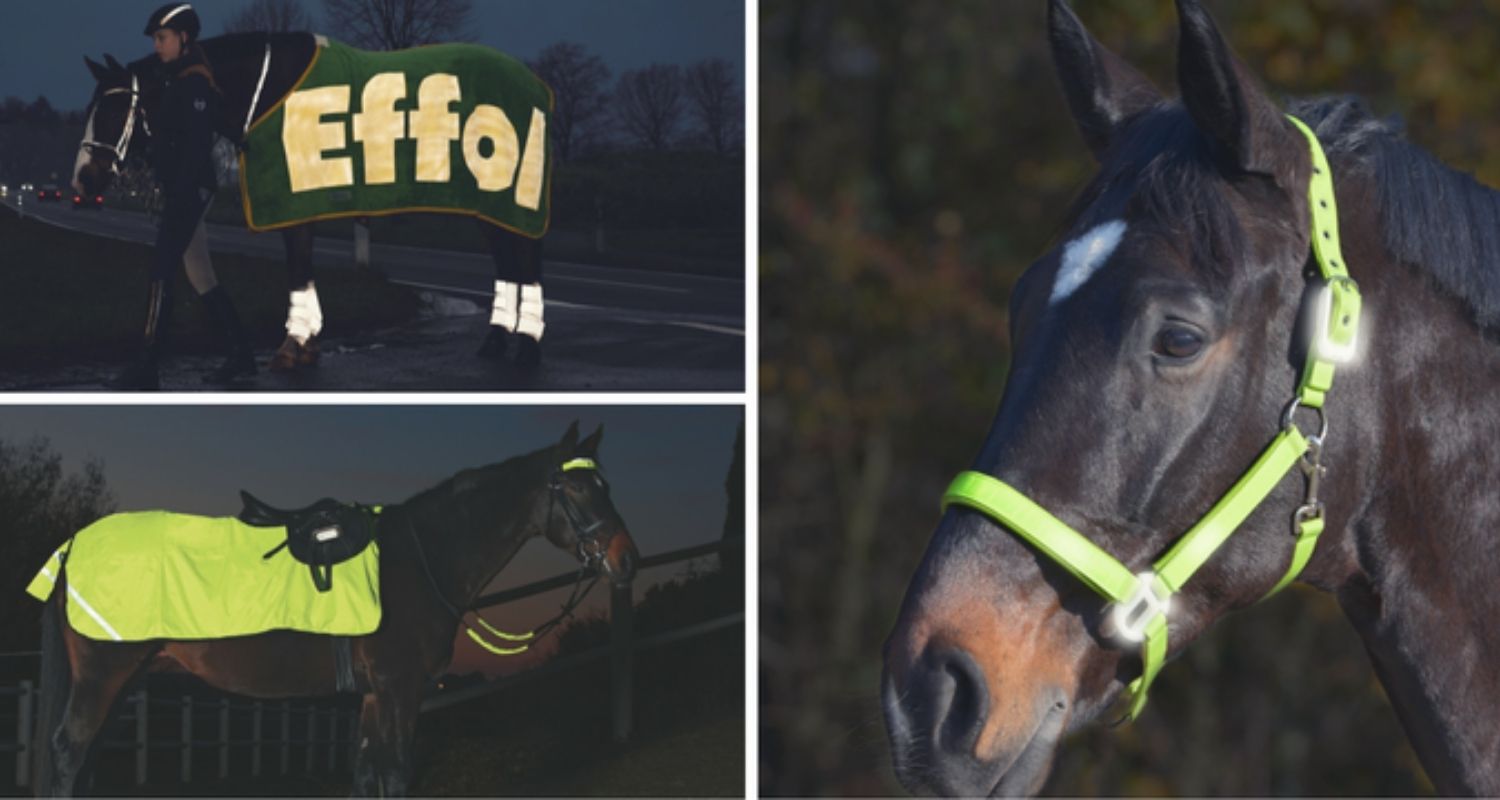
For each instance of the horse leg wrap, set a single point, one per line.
(304, 318)
(531, 311)
(343, 664)
(506, 313)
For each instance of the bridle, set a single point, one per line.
(590, 553)
(121, 147)
(590, 548)
(1141, 601)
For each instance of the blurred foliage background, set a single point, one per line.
(915, 156)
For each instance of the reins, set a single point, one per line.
(1141, 602)
(589, 559)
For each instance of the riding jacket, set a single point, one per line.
(183, 131)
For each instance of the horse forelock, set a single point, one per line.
(1161, 174)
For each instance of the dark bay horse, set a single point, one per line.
(1156, 347)
(119, 116)
(465, 529)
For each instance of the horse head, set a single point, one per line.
(117, 127)
(577, 514)
(1155, 349)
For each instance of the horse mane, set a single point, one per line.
(515, 465)
(1436, 218)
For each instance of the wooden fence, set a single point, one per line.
(313, 735)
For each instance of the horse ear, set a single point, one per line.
(113, 64)
(1102, 90)
(569, 442)
(96, 68)
(1225, 100)
(590, 446)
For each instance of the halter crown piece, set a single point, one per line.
(1140, 602)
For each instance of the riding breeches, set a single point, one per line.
(181, 239)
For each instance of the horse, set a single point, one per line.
(438, 550)
(1155, 349)
(259, 70)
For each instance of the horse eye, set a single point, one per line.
(1177, 343)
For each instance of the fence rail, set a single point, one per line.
(328, 733)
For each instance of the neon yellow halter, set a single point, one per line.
(1141, 601)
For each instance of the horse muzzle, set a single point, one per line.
(620, 557)
(947, 737)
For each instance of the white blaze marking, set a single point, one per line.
(1083, 256)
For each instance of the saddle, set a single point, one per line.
(321, 535)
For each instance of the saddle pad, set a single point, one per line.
(452, 128)
(162, 575)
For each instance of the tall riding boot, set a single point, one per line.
(239, 360)
(142, 375)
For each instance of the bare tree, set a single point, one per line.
(715, 102)
(276, 16)
(398, 24)
(649, 103)
(578, 82)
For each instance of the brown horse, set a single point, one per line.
(438, 550)
(1155, 349)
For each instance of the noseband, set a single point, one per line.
(121, 147)
(1140, 602)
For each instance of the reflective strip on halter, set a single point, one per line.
(578, 463)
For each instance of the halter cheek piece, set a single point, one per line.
(1140, 602)
(121, 147)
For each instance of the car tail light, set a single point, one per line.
(77, 199)
(99, 199)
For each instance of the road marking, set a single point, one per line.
(702, 326)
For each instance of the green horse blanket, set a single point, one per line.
(452, 128)
(161, 575)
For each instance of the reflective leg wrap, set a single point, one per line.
(531, 311)
(506, 313)
(304, 319)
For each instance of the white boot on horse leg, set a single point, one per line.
(504, 316)
(529, 347)
(304, 321)
(518, 310)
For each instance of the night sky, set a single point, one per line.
(42, 42)
(666, 467)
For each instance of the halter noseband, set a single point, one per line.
(121, 147)
(1141, 601)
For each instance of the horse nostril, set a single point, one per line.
(969, 706)
(948, 699)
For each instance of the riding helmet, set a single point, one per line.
(177, 16)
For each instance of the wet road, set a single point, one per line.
(608, 328)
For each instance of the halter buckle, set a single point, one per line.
(1130, 618)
